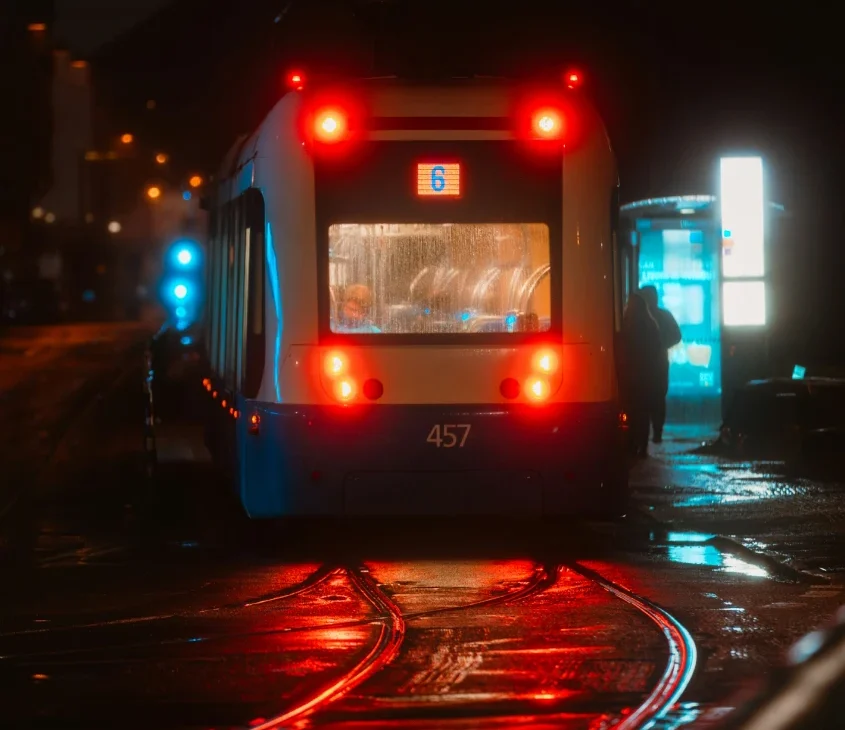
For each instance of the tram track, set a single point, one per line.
(683, 654)
(392, 624)
(392, 632)
(667, 691)
(385, 649)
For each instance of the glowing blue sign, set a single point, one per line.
(798, 372)
(682, 264)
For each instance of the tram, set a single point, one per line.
(413, 296)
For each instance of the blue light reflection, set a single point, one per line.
(277, 304)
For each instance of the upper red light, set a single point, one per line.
(296, 80)
(547, 124)
(573, 79)
(330, 125)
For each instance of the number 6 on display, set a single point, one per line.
(438, 179)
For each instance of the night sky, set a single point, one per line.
(84, 25)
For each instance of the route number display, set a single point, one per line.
(439, 180)
(449, 435)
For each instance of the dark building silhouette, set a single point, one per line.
(26, 68)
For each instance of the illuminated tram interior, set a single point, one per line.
(439, 278)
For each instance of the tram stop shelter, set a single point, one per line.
(706, 261)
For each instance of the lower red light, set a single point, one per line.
(344, 390)
(509, 388)
(537, 389)
(373, 389)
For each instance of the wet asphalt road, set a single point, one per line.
(126, 606)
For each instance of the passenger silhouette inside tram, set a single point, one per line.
(355, 311)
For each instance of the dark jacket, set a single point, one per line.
(642, 355)
(670, 335)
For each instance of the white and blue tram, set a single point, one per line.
(413, 295)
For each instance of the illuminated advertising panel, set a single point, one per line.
(682, 264)
(744, 303)
(741, 200)
(439, 180)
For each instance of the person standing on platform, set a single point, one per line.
(670, 335)
(639, 370)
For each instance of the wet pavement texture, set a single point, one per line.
(130, 604)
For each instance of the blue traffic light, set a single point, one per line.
(181, 286)
(185, 254)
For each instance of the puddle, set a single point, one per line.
(678, 716)
(692, 548)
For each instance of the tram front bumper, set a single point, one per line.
(409, 460)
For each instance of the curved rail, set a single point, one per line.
(322, 574)
(391, 635)
(683, 654)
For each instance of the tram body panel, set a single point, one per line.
(461, 459)
(415, 375)
(307, 454)
(590, 177)
(284, 173)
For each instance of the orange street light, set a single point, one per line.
(161, 158)
(195, 181)
(127, 139)
(153, 192)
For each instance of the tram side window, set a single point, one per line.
(253, 297)
(214, 289)
(234, 285)
(222, 291)
(236, 305)
(210, 329)
(238, 290)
